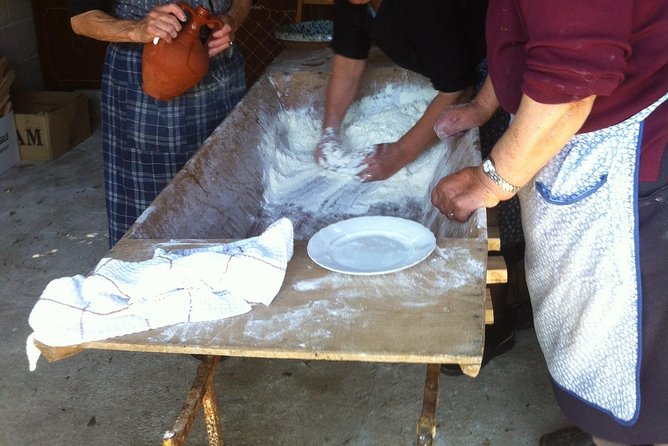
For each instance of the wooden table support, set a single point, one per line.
(426, 428)
(202, 393)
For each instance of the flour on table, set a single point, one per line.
(295, 186)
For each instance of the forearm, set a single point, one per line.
(99, 25)
(537, 133)
(456, 119)
(163, 21)
(422, 133)
(342, 89)
(486, 99)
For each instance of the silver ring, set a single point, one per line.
(450, 215)
(231, 43)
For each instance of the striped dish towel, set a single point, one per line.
(181, 285)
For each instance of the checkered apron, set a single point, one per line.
(580, 223)
(146, 141)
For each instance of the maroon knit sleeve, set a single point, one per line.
(575, 48)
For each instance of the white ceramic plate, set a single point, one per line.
(371, 245)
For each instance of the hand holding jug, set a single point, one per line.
(170, 69)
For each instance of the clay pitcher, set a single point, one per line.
(169, 69)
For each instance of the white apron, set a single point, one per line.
(579, 217)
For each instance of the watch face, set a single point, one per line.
(490, 171)
(487, 166)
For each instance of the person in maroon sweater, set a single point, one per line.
(587, 85)
(443, 40)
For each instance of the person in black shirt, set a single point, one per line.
(442, 40)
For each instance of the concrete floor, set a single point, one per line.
(53, 224)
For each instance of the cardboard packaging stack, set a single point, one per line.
(49, 123)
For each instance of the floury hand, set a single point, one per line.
(327, 145)
(383, 161)
(332, 155)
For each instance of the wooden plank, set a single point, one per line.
(493, 235)
(493, 238)
(301, 3)
(431, 313)
(496, 270)
(489, 308)
(299, 11)
(56, 353)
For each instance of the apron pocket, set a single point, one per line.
(556, 197)
(580, 169)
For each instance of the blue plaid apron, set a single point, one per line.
(145, 141)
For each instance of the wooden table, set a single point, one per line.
(431, 313)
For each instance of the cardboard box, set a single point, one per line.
(49, 123)
(9, 147)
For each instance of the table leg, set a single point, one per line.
(298, 13)
(211, 412)
(426, 428)
(201, 393)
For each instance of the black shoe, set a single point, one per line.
(569, 436)
(499, 338)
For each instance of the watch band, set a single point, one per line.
(490, 170)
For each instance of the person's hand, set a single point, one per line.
(327, 146)
(459, 118)
(458, 195)
(163, 22)
(385, 160)
(222, 38)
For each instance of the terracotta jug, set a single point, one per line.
(169, 69)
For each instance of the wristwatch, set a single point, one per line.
(489, 170)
